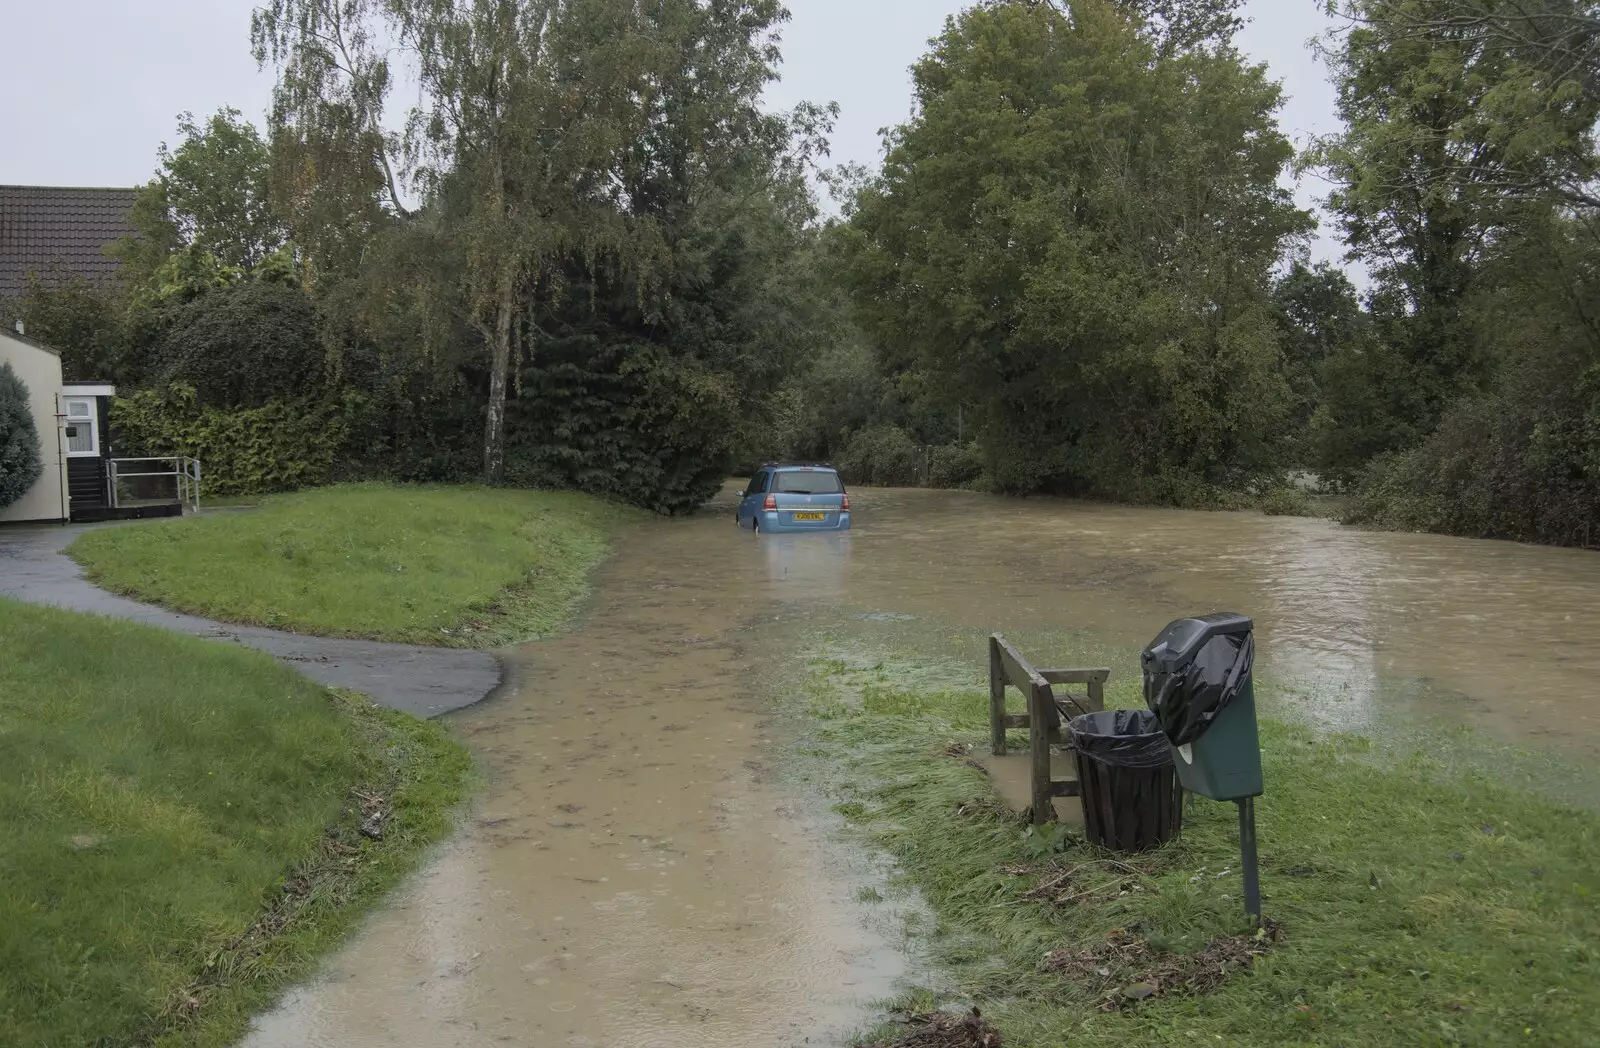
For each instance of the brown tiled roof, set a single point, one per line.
(56, 231)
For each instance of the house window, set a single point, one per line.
(83, 427)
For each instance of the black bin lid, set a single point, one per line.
(1177, 645)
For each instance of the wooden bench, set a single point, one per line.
(1047, 712)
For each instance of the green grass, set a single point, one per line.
(1420, 904)
(452, 566)
(179, 836)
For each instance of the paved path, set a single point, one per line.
(423, 681)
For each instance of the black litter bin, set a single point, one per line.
(1129, 788)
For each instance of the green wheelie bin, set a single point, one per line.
(1198, 682)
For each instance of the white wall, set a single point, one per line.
(40, 370)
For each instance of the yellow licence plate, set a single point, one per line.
(810, 516)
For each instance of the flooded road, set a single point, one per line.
(635, 875)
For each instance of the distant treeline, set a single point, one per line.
(592, 260)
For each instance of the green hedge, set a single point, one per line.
(886, 456)
(1522, 463)
(276, 447)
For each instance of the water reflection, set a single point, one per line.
(1320, 630)
(806, 566)
(1494, 634)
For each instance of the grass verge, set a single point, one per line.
(464, 567)
(187, 827)
(1416, 904)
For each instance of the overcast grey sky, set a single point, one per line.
(89, 88)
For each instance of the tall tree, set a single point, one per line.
(1178, 25)
(1466, 176)
(1076, 231)
(597, 182)
(1441, 124)
(530, 108)
(1541, 101)
(1319, 316)
(336, 168)
(1561, 38)
(727, 307)
(216, 191)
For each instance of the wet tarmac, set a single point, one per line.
(423, 681)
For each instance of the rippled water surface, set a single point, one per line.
(634, 875)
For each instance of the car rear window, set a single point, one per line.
(808, 482)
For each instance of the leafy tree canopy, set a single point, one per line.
(81, 321)
(210, 194)
(1076, 230)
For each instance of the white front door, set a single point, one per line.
(83, 427)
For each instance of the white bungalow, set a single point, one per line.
(79, 480)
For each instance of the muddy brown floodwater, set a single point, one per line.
(633, 874)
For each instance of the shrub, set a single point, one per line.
(624, 421)
(885, 456)
(20, 464)
(1177, 486)
(955, 465)
(243, 346)
(1522, 463)
(1286, 501)
(279, 446)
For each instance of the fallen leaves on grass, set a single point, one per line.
(1085, 882)
(943, 1030)
(1126, 969)
(1097, 966)
(372, 814)
(1196, 973)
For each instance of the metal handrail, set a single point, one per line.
(185, 471)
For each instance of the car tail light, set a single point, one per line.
(771, 504)
(844, 506)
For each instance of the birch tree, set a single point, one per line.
(530, 108)
(336, 168)
(556, 143)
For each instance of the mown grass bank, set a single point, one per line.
(181, 828)
(450, 566)
(1417, 904)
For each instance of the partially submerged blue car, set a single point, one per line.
(795, 497)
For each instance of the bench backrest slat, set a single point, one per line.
(1019, 673)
